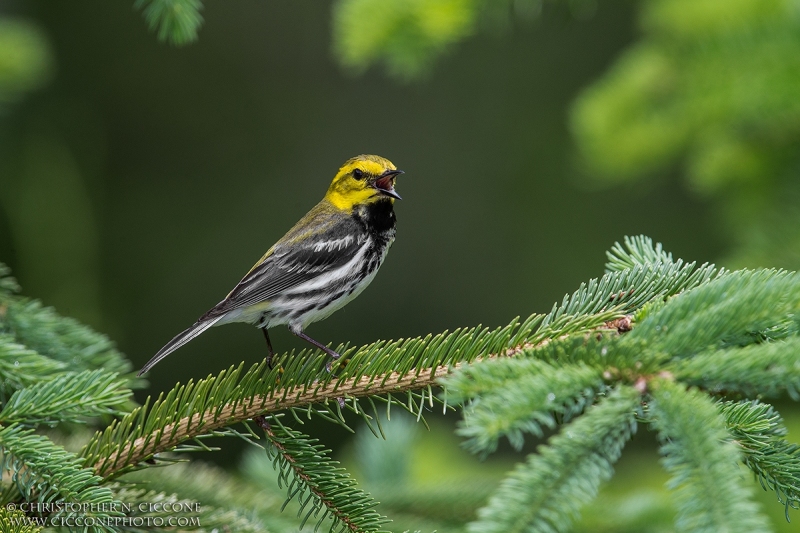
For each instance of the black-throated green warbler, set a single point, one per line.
(322, 263)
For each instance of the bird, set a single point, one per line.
(321, 264)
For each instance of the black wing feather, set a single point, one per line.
(291, 264)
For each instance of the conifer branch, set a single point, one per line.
(42, 330)
(683, 326)
(21, 367)
(167, 437)
(8, 285)
(544, 493)
(44, 472)
(313, 478)
(698, 452)
(15, 521)
(175, 21)
(109, 459)
(253, 502)
(637, 251)
(767, 369)
(737, 309)
(758, 430)
(383, 368)
(157, 508)
(67, 398)
(517, 396)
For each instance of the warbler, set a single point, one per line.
(321, 264)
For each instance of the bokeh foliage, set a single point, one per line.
(711, 88)
(712, 83)
(25, 59)
(174, 21)
(406, 36)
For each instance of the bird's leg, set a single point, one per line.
(269, 347)
(334, 355)
(318, 344)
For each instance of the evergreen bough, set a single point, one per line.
(692, 351)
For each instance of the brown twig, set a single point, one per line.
(261, 421)
(190, 427)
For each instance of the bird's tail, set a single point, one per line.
(179, 340)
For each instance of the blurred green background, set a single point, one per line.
(139, 181)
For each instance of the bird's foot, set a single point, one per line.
(329, 364)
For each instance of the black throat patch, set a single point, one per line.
(377, 217)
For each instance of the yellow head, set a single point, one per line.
(362, 180)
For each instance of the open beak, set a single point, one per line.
(385, 183)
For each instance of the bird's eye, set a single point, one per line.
(358, 174)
